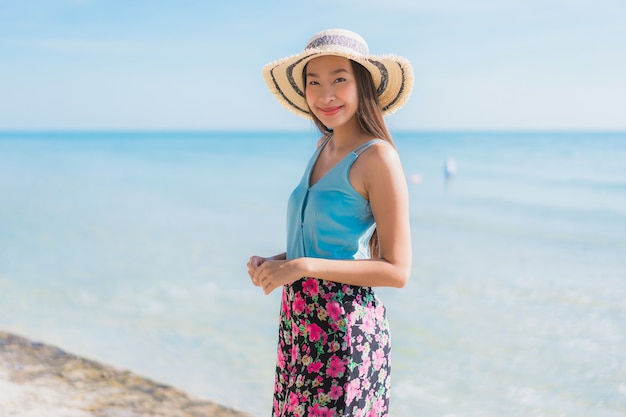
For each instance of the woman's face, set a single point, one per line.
(331, 90)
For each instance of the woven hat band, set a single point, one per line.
(335, 42)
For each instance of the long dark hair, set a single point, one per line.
(370, 117)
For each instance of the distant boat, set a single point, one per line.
(450, 168)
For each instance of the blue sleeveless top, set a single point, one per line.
(329, 219)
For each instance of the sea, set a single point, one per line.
(130, 248)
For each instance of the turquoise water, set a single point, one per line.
(130, 248)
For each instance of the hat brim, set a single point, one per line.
(392, 75)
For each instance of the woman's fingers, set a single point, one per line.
(263, 279)
(261, 273)
(253, 266)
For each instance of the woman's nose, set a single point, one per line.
(328, 94)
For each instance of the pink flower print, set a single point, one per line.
(281, 359)
(364, 368)
(310, 287)
(378, 408)
(334, 310)
(298, 304)
(278, 385)
(294, 400)
(380, 311)
(318, 411)
(335, 392)
(366, 384)
(383, 379)
(315, 332)
(384, 340)
(335, 367)
(364, 349)
(350, 318)
(347, 341)
(294, 352)
(285, 305)
(352, 390)
(379, 358)
(314, 367)
(368, 325)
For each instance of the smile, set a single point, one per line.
(329, 111)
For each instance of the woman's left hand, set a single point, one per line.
(273, 274)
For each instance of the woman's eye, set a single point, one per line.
(313, 83)
(340, 80)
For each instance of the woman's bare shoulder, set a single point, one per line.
(381, 152)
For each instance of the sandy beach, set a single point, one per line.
(40, 380)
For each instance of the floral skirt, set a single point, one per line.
(334, 352)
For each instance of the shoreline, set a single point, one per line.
(38, 379)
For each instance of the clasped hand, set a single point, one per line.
(270, 274)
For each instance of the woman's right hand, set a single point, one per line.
(253, 264)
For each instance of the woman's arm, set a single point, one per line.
(382, 179)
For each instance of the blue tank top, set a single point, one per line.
(329, 219)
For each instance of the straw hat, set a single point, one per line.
(392, 75)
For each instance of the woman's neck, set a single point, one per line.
(348, 135)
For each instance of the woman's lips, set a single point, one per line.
(329, 111)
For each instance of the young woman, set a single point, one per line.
(348, 230)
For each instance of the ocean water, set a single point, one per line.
(130, 248)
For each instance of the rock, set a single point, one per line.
(40, 380)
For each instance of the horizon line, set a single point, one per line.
(299, 131)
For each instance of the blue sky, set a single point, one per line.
(196, 65)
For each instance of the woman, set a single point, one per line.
(348, 230)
